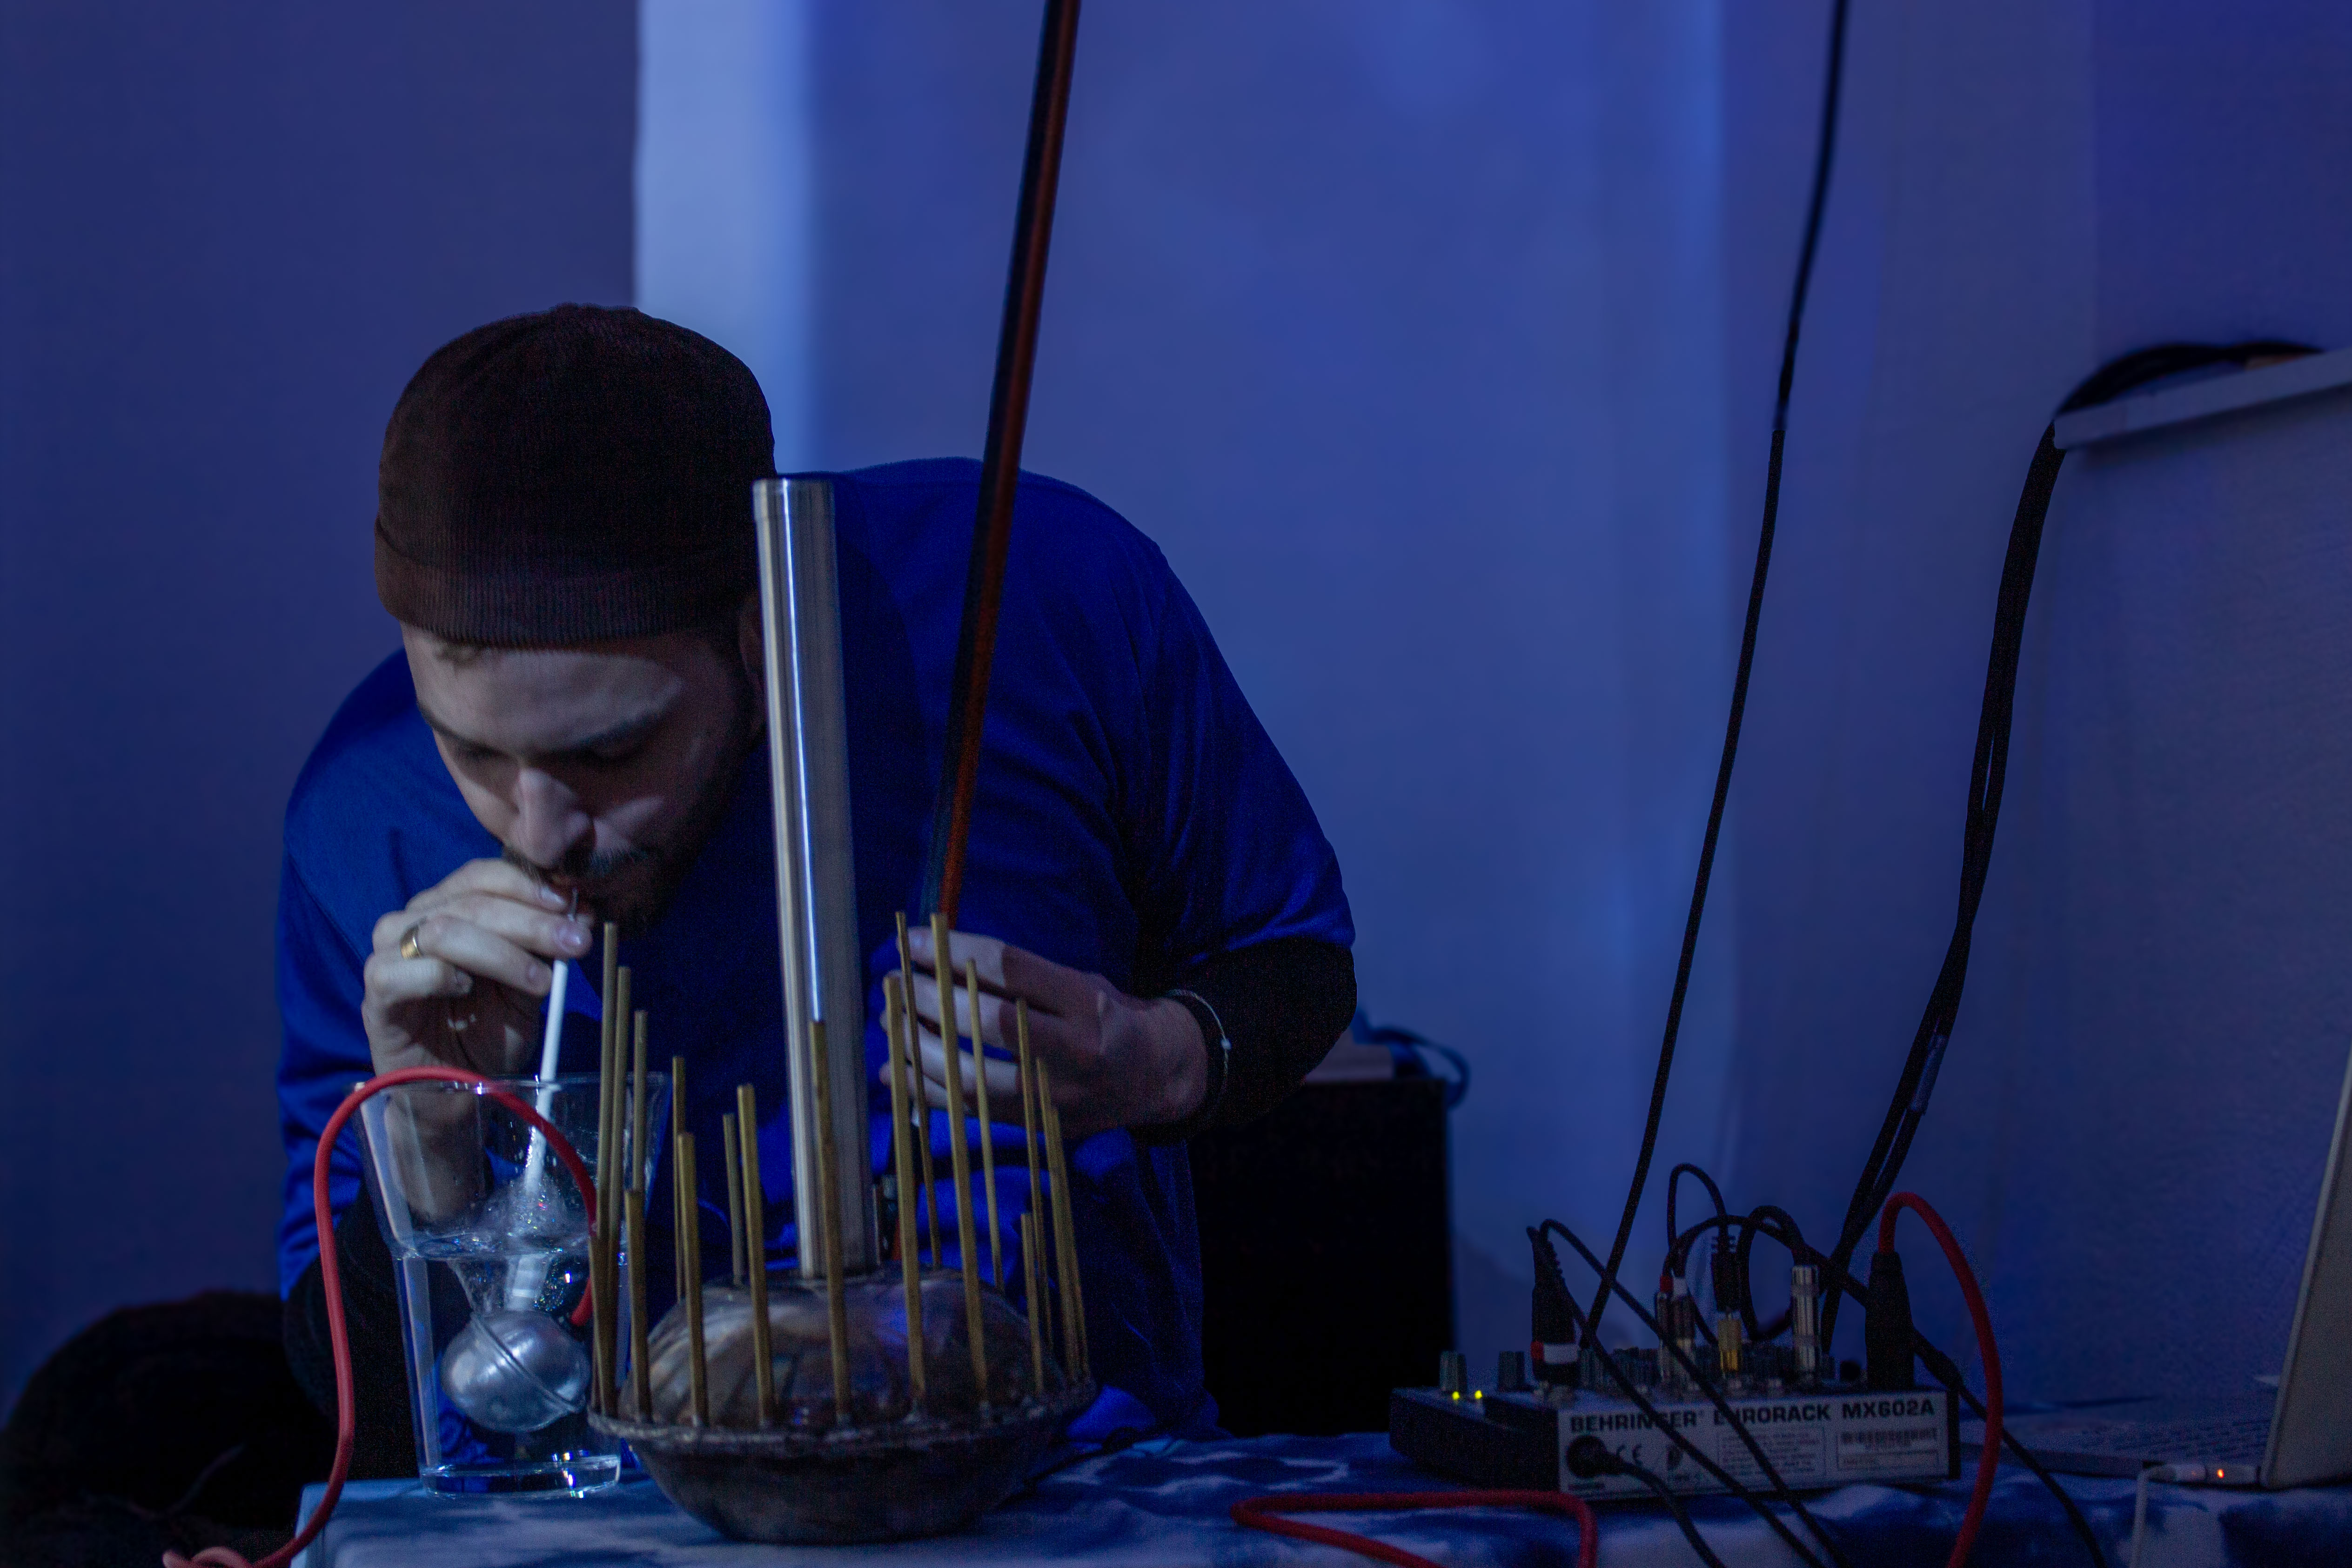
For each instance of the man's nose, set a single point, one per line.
(550, 825)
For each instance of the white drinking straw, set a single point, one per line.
(530, 1273)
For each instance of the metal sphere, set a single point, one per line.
(514, 1371)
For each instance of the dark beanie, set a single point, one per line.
(571, 476)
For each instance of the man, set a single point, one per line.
(573, 734)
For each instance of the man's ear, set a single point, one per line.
(749, 645)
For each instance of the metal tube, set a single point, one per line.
(816, 892)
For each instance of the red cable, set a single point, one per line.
(1986, 1466)
(1262, 1513)
(330, 1274)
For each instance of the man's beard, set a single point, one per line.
(591, 868)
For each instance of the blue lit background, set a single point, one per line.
(1434, 341)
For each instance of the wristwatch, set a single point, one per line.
(1221, 1053)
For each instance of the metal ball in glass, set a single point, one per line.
(514, 1371)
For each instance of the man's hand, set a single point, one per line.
(1116, 1060)
(470, 996)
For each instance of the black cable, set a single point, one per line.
(1673, 1179)
(1772, 1222)
(1370, 1034)
(1665, 1493)
(1549, 1261)
(1989, 771)
(1939, 1365)
(1749, 1227)
(1824, 147)
(1588, 1457)
(1779, 1487)
(1798, 1252)
(1946, 1371)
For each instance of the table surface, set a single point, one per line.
(1166, 1505)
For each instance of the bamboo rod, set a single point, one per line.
(640, 1357)
(610, 1024)
(910, 1269)
(734, 1151)
(1032, 1277)
(828, 1186)
(699, 1369)
(943, 965)
(608, 1060)
(678, 1199)
(755, 1244)
(1025, 1063)
(987, 1133)
(603, 1246)
(611, 1020)
(641, 1388)
(601, 1390)
(609, 1184)
(1077, 1275)
(1066, 1233)
(621, 1018)
(636, 1111)
(636, 1150)
(917, 1087)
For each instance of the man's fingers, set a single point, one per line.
(526, 924)
(995, 1016)
(476, 879)
(533, 931)
(501, 879)
(1009, 971)
(1003, 1079)
(483, 954)
(1055, 989)
(985, 950)
(1052, 1032)
(392, 981)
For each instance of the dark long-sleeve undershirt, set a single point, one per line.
(1283, 1003)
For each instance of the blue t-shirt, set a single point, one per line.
(1132, 817)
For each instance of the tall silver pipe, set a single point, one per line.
(816, 886)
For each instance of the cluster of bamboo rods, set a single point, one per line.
(621, 1134)
(910, 1120)
(620, 1182)
(621, 1199)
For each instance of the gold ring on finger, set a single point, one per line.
(409, 946)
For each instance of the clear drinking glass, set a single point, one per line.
(488, 1238)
